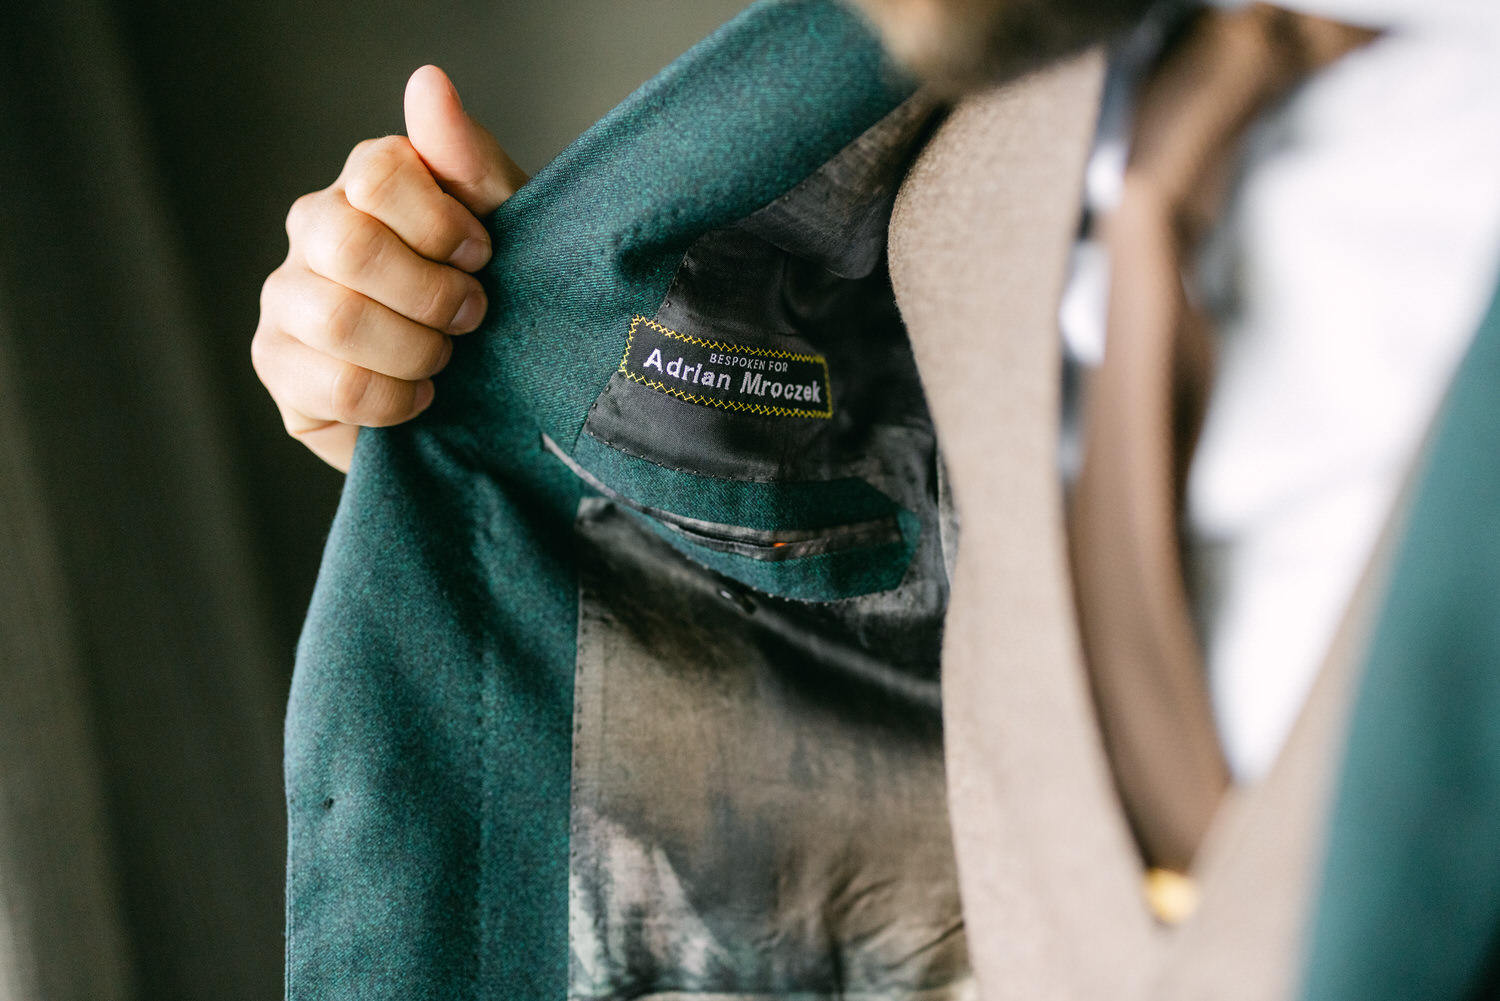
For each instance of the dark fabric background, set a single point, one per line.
(159, 534)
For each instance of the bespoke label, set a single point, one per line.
(727, 376)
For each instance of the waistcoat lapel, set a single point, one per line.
(1409, 895)
(979, 245)
(1050, 875)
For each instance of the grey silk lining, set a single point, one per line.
(837, 217)
(759, 806)
(758, 544)
(748, 820)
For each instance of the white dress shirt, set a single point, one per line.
(1357, 255)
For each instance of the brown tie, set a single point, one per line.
(1144, 408)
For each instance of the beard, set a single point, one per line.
(960, 45)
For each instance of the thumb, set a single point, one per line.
(463, 157)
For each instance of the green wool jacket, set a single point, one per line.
(620, 674)
(621, 677)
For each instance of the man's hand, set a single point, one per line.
(359, 317)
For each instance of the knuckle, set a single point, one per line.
(278, 294)
(361, 154)
(375, 178)
(438, 237)
(268, 358)
(300, 214)
(349, 249)
(438, 354)
(443, 296)
(343, 318)
(259, 355)
(434, 352)
(375, 147)
(352, 394)
(270, 293)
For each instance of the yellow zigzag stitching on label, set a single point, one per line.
(717, 345)
(752, 408)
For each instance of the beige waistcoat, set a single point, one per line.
(1051, 879)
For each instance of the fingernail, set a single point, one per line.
(471, 254)
(425, 393)
(469, 314)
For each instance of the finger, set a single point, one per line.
(385, 178)
(351, 327)
(346, 246)
(312, 388)
(462, 155)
